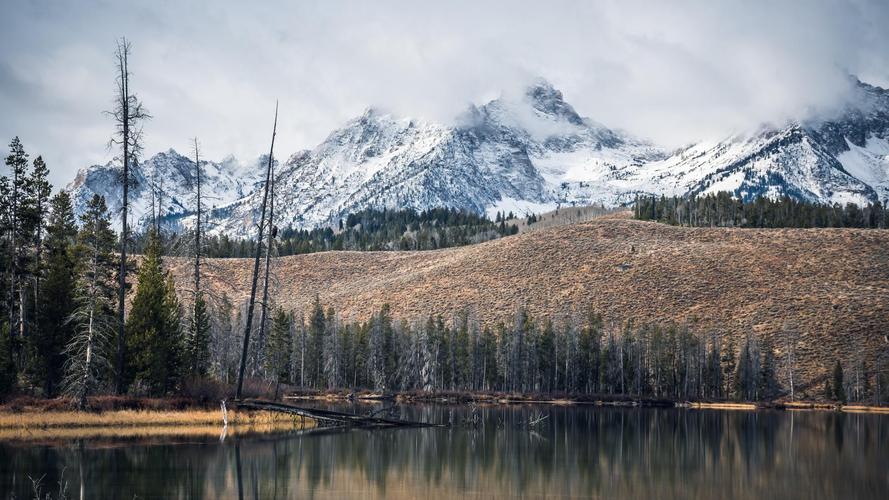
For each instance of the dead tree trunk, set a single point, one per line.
(331, 418)
(197, 226)
(252, 302)
(127, 113)
(260, 344)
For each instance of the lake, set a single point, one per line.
(527, 451)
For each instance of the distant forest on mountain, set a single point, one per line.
(722, 209)
(378, 230)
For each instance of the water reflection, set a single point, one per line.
(573, 452)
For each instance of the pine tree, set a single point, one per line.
(381, 354)
(154, 331)
(7, 367)
(39, 191)
(88, 353)
(839, 391)
(17, 161)
(331, 351)
(727, 364)
(280, 347)
(198, 340)
(314, 345)
(766, 384)
(743, 373)
(56, 302)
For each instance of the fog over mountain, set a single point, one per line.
(673, 73)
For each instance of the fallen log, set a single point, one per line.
(330, 417)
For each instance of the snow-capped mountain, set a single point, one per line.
(526, 154)
(166, 180)
(836, 157)
(534, 152)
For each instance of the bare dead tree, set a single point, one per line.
(197, 224)
(262, 220)
(260, 344)
(128, 113)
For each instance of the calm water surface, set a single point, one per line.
(574, 452)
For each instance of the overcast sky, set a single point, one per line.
(673, 72)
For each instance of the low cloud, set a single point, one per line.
(673, 72)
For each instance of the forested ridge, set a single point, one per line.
(373, 230)
(723, 209)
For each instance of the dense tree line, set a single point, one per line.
(377, 230)
(577, 356)
(722, 209)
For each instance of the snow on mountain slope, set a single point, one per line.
(869, 163)
(837, 158)
(769, 163)
(534, 151)
(173, 175)
(523, 154)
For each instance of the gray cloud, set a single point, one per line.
(674, 72)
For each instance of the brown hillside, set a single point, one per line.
(833, 284)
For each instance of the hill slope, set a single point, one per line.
(833, 284)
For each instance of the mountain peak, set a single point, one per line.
(545, 98)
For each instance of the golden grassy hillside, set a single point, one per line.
(831, 284)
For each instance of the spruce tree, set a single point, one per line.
(89, 352)
(280, 347)
(315, 343)
(39, 191)
(56, 302)
(7, 367)
(153, 338)
(198, 341)
(173, 340)
(839, 391)
(766, 384)
(17, 161)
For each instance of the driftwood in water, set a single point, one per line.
(329, 417)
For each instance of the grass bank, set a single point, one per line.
(36, 419)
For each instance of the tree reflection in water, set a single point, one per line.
(577, 451)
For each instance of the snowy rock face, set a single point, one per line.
(528, 154)
(171, 178)
(839, 157)
(532, 153)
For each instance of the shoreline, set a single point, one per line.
(30, 419)
(499, 398)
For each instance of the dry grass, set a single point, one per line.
(138, 424)
(32, 434)
(135, 418)
(831, 285)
